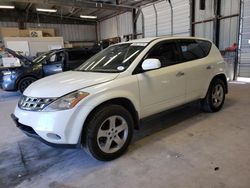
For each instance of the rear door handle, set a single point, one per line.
(179, 74)
(209, 67)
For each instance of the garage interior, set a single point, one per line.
(184, 147)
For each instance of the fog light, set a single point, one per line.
(53, 136)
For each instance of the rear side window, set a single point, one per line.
(77, 55)
(194, 49)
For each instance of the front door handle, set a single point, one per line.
(179, 74)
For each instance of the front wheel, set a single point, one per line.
(24, 83)
(215, 97)
(108, 132)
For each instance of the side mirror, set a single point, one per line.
(150, 64)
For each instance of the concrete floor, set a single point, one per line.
(184, 148)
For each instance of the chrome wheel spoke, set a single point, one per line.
(119, 141)
(121, 127)
(112, 122)
(107, 146)
(102, 133)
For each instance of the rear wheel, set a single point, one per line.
(108, 132)
(215, 97)
(24, 83)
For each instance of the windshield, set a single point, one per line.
(115, 58)
(41, 57)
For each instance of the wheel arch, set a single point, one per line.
(220, 76)
(121, 101)
(24, 76)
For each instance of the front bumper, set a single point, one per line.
(29, 131)
(59, 127)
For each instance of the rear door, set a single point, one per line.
(54, 63)
(162, 88)
(198, 67)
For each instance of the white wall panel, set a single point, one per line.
(228, 32)
(125, 24)
(108, 28)
(244, 60)
(149, 21)
(139, 24)
(230, 7)
(204, 30)
(164, 18)
(181, 9)
(208, 13)
(117, 26)
(161, 24)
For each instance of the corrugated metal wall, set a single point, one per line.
(204, 30)
(70, 32)
(228, 26)
(244, 60)
(157, 18)
(117, 26)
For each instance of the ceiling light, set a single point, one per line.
(88, 17)
(7, 6)
(45, 10)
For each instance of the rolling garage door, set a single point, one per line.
(244, 63)
(157, 18)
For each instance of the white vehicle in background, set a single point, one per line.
(98, 105)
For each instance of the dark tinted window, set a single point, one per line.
(57, 57)
(77, 55)
(167, 53)
(194, 49)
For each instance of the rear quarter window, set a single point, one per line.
(194, 49)
(76, 55)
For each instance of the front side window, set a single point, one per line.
(194, 49)
(115, 58)
(57, 57)
(167, 53)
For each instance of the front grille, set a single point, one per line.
(33, 103)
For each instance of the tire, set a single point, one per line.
(215, 97)
(108, 132)
(24, 83)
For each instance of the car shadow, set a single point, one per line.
(8, 96)
(29, 158)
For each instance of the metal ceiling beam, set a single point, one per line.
(43, 18)
(76, 3)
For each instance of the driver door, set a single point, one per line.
(54, 64)
(165, 87)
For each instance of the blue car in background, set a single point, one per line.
(52, 62)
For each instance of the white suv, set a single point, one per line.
(98, 105)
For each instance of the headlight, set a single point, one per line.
(6, 73)
(66, 102)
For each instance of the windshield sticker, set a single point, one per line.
(139, 44)
(120, 68)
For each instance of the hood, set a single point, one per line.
(22, 58)
(61, 84)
